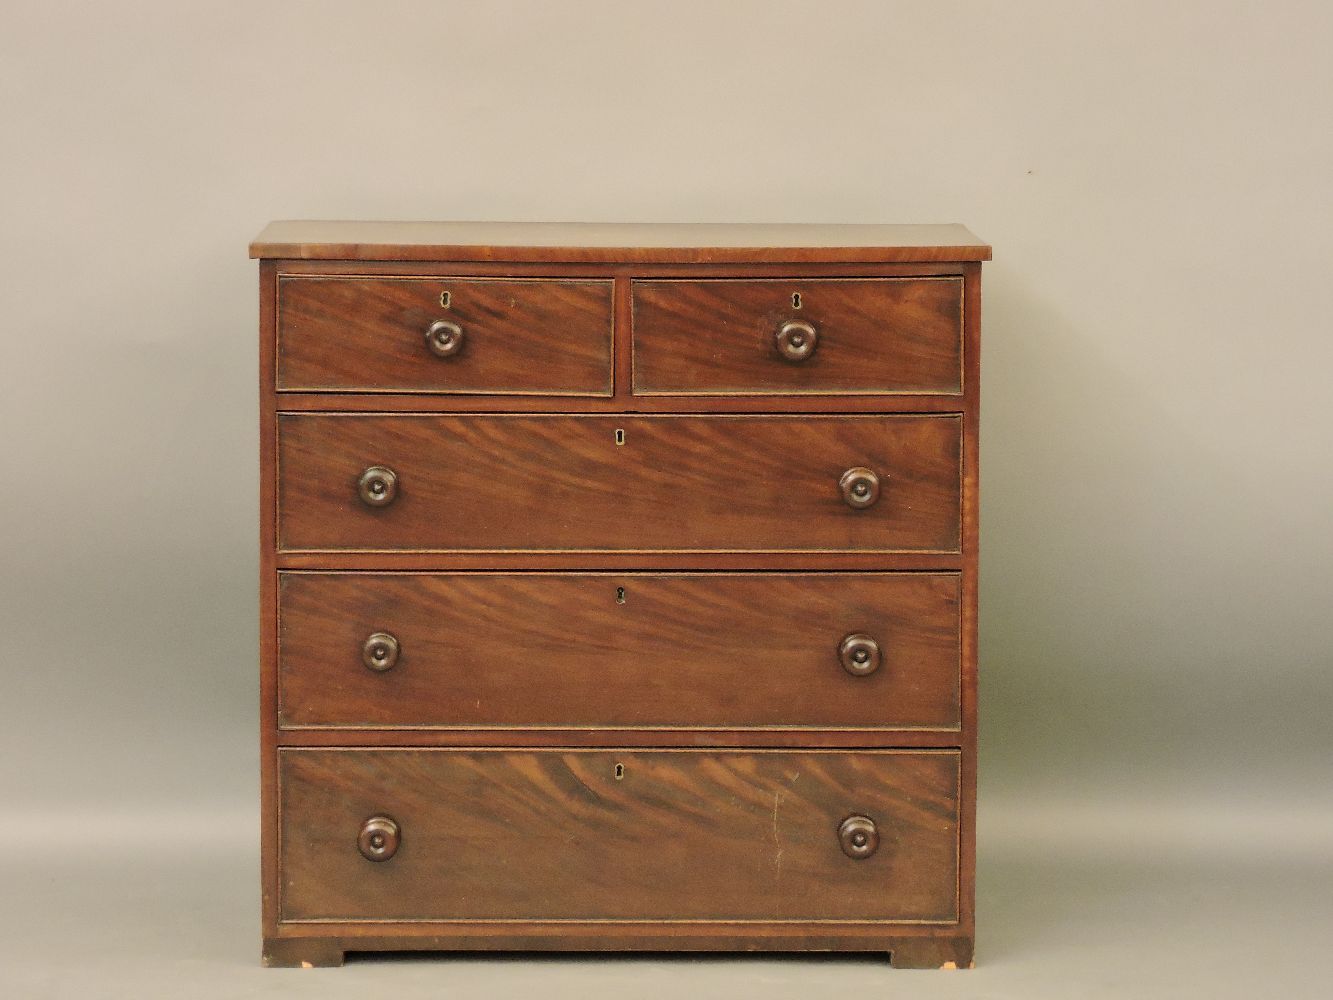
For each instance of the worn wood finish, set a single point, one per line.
(971, 548)
(712, 651)
(616, 243)
(563, 483)
(670, 480)
(268, 599)
(635, 835)
(905, 946)
(368, 334)
(874, 335)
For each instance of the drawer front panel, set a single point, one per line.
(498, 335)
(850, 335)
(619, 650)
(619, 835)
(618, 483)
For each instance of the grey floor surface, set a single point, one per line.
(1073, 902)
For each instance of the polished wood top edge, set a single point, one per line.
(617, 243)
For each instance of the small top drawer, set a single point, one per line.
(533, 336)
(798, 336)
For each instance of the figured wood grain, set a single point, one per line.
(618, 650)
(629, 835)
(876, 335)
(624, 243)
(701, 254)
(694, 483)
(367, 334)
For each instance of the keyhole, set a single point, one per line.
(620, 595)
(445, 299)
(796, 300)
(620, 771)
(620, 435)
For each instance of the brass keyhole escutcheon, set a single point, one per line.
(620, 595)
(446, 300)
(620, 772)
(620, 435)
(796, 300)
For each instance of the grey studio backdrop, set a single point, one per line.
(1155, 806)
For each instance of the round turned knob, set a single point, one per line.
(860, 654)
(797, 340)
(859, 837)
(377, 486)
(380, 652)
(860, 488)
(444, 339)
(378, 840)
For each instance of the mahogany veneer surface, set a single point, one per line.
(697, 650)
(876, 335)
(600, 611)
(563, 482)
(559, 835)
(541, 336)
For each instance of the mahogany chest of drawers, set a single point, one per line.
(618, 588)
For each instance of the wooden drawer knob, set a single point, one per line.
(444, 339)
(379, 839)
(860, 488)
(796, 340)
(860, 654)
(859, 837)
(377, 486)
(380, 652)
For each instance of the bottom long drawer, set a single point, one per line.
(449, 834)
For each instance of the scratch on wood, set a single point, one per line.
(777, 842)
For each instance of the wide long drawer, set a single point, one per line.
(444, 834)
(500, 482)
(598, 650)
